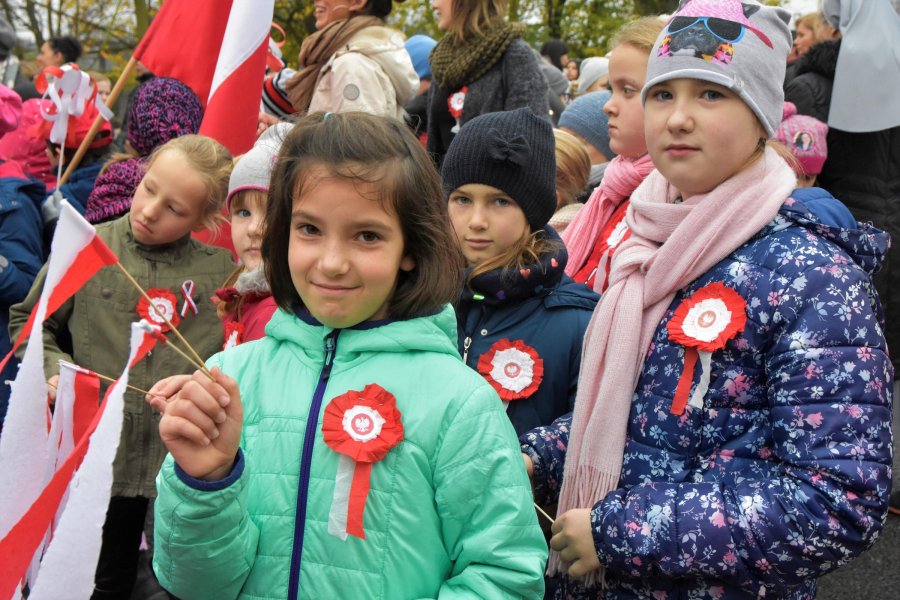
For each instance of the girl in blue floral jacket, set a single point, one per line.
(732, 432)
(520, 318)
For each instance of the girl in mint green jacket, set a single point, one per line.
(349, 453)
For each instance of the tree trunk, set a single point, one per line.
(33, 23)
(142, 17)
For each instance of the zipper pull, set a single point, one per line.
(466, 344)
(329, 354)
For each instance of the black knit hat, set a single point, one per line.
(513, 151)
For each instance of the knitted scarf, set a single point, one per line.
(621, 178)
(670, 246)
(456, 63)
(317, 50)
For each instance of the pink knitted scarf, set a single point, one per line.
(620, 179)
(671, 245)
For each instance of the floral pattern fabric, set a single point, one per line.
(785, 471)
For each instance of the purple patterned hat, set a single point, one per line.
(114, 190)
(162, 109)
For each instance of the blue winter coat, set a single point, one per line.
(21, 254)
(546, 311)
(784, 473)
(77, 189)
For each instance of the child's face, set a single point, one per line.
(627, 72)
(248, 214)
(699, 134)
(345, 251)
(168, 204)
(486, 220)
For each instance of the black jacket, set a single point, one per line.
(862, 171)
(810, 87)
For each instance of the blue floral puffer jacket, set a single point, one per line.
(785, 471)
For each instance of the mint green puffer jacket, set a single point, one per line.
(449, 514)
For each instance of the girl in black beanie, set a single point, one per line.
(520, 318)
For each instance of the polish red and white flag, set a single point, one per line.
(218, 48)
(76, 255)
(60, 533)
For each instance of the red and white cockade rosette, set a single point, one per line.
(361, 427)
(234, 334)
(455, 105)
(703, 323)
(165, 302)
(514, 369)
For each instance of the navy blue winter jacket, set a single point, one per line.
(783, 471)
(21, 253)
(542, 315)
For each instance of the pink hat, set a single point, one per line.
(10, 110)
(804, 136)
(22, 147)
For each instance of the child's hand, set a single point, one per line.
(163, 391)
(263, 122)
(529, 465)
(202, 425)
(52, 384)
(574, 540)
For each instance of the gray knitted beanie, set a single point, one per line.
(740, 45)
(254, 169)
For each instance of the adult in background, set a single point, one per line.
(555, 52)
(863, 167)
(585, 120)
(55, 52)
(10, 73)
(594, 76)
(419, 47)
(481, 65)
(811, 29)
(352, 63)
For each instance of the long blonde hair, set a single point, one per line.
(212, 162)
(573, 167)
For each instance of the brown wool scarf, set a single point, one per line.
(455, 62)
(317, 50)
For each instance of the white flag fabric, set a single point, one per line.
(67, 569)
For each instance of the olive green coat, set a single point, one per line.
(98, 317)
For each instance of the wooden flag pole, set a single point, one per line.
(546, 516)
(111, 380)
(95, 127)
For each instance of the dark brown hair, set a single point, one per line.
(384, 153)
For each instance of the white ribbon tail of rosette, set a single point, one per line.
(702, 386)
(69, 94)
(340, 502)
(232, 340)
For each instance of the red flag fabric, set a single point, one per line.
(218, 48)
(76, 254)
(90, 254)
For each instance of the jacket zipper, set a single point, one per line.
(312, 421)
(467, 341)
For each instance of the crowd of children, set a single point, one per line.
(693, 380)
